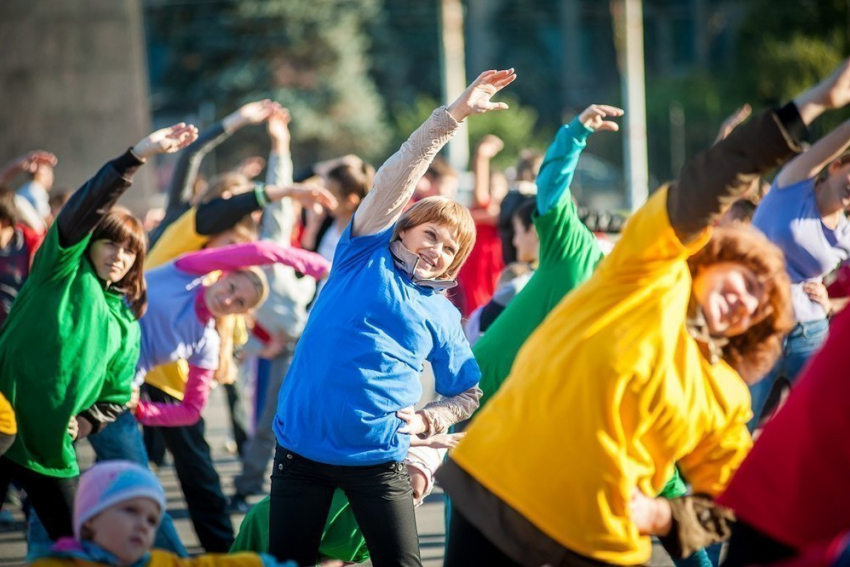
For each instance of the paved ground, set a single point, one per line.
(429, 515)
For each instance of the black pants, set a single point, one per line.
(52, 498)
(198, 479)
(468, 546)
(381, 499)
(748, 546)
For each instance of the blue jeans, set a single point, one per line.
(122, 439)
(804, 340)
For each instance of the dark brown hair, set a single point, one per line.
(353, 180)
(120, 225)
(8, 210)
(754, 352)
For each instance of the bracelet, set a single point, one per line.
(261, 195)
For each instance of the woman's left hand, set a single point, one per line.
(817, 292)
(476, 98)
(415, 422)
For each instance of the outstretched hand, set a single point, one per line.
(34, 159)
(476, 98)
(278, 128)
(166, 141)
(489, 146)
(309, 195)
(831, 93)
(438, 441)
(594, 116)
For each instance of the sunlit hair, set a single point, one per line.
(258, 279)
(122, 226)
(754, 352)
(448, 213)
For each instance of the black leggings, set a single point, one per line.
(52, 498)
(380, 496)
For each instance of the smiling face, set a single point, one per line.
(231, 294)
(839, 181)
(435, 245)
(126, 529)
(111, 260)
(731, 297)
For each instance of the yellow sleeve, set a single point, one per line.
(179, 238)
(710, 466)
(161, 558)
(649, 244)
(8, 425)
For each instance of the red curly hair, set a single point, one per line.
(754, 352)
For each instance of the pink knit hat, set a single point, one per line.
(109, 483)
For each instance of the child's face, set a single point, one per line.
(232, 294)
(525, 241)
(111, 260)
(436, 247)
(126, 529)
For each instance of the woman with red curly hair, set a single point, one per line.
(648, 363)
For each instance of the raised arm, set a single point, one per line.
(236, 257)
(397, 178)
(278, 219)
(559, 164)
(488, 148)
(91, 202)
(810, 163)
(713, 180)
(26, 163)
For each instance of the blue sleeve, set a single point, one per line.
(559, 165)
(455, 368)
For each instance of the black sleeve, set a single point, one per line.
(489, 313)
(179, 193)
(102, 414)
(714, 179)
(220, 214)
(91, 202)
(186, 170)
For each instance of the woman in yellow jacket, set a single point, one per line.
(638, 369)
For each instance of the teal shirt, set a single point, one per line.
(569, 253)
(66, 344)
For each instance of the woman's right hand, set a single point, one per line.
(309, 195)
(251, 113)
(166, 141)
(594, 116)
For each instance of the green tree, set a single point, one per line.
(310, 56)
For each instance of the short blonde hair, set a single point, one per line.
(448, 213)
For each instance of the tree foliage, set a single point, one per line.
(310, 56)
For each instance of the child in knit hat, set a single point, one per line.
(117, 509)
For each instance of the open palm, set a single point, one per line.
(167, 140)
(476, 98)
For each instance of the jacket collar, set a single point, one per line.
(406, 261)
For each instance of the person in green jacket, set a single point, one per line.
(569, 251)
(69, 346)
